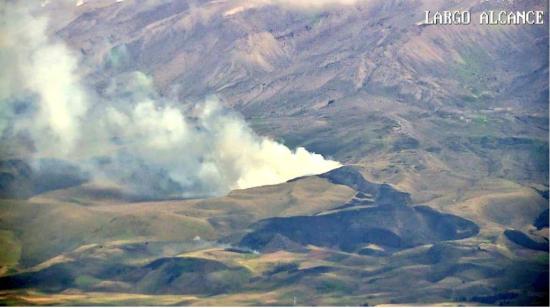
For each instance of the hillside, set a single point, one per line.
(437, 137)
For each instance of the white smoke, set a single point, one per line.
(33, 65)
(310, 4)
(128, 133)
(302, 5)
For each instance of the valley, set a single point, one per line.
(438, 136)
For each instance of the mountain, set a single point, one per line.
(442, 132)
(377, 215)
(417, 105)
(324, 239)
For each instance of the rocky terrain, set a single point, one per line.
(442, 131)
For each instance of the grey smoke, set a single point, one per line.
(128, 135)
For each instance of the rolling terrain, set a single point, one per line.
(442, 131)
(324, 240)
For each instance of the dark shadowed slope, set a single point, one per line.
(388, 221)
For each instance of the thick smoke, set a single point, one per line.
(126, 133)
(36, 69)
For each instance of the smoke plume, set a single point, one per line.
(127, 133)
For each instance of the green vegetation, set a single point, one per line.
(10, 249)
